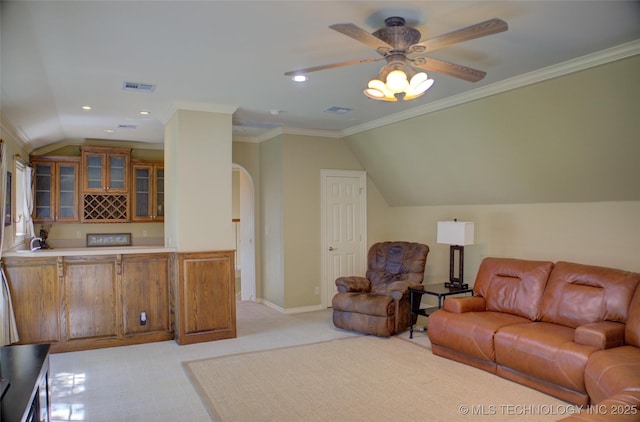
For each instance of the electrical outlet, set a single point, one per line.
(78, 234)
(143, 318)
(316, 290)
(145, 233)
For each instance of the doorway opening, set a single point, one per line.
(243, 219)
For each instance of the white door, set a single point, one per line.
(344, 227)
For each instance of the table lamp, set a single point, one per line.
(457, 234)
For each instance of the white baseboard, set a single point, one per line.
(300, 310)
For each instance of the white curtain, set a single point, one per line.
(27, 206)
(8, 328)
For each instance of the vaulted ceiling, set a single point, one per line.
(58, 56)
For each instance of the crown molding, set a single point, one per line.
(15, 134)
(581, 63)
(94, 141)
(288, 131)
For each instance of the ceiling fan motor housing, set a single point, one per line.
(397, 35)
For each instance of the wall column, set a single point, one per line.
(198, 202)
(198, 155)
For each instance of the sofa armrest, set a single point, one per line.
(353, 284)
(459, 305)
(603, 334)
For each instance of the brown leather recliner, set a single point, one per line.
(378, 304)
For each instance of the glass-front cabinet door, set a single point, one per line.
(159, 185)
(106, 169)
(56, 189)
(148, 191)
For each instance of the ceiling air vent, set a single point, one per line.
(337, 110)
(124, 126)
(138, 86)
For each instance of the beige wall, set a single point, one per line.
(596, 233)
(290, 209)
(303, 158)
(198, 149)
(271, 204)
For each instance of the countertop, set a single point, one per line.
(83, 251)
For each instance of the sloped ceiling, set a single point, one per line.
(571, 139)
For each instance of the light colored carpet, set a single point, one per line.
(361, 378)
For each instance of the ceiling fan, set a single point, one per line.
(400, 46)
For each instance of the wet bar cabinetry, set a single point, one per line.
(101, 185)
(36, 296)
(206, 291)
(56, 189)
(105, 184)
(147, 190)
(87, 302)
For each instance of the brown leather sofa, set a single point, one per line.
(378, 304)
(568, 330)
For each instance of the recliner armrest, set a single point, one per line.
(353, 284)
(603, 334)
(459, 305)
(397, 289)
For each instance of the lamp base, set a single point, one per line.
(450, 285)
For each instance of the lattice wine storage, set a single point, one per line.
(106, 208)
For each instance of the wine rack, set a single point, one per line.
(106, 208)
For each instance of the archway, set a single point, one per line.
(244, 227)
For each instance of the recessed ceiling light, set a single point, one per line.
(300, 78)
(86, 107)
(109, 130)
(144, 113)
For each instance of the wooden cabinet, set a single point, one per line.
(106, 169)
(146, 301)
(90, 290)
(56, 182)
(88, 302)
(105, 184)
(36, 298)
(147, 191)
(206, 297)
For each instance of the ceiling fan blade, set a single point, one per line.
(482, 29)
(451, 69)
(330, 66)
(359, 34)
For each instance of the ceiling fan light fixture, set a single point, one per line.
(378, 90)
(418, 85)
(397, 81)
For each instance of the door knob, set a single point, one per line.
(331, 248)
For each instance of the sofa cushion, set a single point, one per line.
(632, 328)
(544, 351)
(612, 372)
(514, 286)
(469, 333)
(579, 294)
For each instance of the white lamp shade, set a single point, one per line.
(458, 233)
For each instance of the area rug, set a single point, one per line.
(361, 378)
